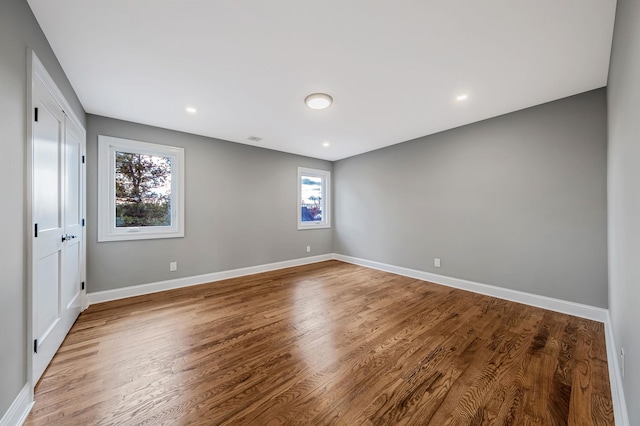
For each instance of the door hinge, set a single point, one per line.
(82, 285)
(35, 346)
(83, 159)
(35, 114)
(35, 231)
(82, 222)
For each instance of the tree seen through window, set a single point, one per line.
(143, 190)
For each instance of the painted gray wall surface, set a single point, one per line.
(517, 201)
(624, 196)
(240, 206)
(18, 31)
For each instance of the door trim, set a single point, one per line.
(36, 70)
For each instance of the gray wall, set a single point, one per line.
(517, 201)
(240, 211)
(18, 31)
(624, 195)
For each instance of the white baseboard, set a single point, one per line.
(557, 305)
(615, 377)
(19, 409)
(138, 290)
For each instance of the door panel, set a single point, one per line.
(73, 208)
(73, 175)
(47, 294)
(46, 165)
(71, 277)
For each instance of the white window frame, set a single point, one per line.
(325, 175)
(107, 230)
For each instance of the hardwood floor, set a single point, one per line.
(329, 343)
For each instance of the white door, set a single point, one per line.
(57, 226)
(73, 212)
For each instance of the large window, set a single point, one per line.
(140, 190)
(314, 198)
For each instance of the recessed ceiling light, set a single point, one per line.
(318, 101)
(326, 144)
(191, 110)
(462, 97)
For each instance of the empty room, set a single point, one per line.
(315, 213)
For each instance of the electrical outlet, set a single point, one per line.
(436, 262)
(308, 249)
(622, 362)
(173, 266)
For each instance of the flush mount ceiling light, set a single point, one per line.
(318, 101)
(462, 97)
(326, 144)
(191, 110)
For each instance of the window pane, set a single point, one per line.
(312, 202)
(143, 190)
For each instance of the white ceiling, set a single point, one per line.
(394, 68)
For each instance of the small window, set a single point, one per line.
(314, 198)
(140, 190)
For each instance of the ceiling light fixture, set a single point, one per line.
(326, 144)
(191, 110)
(462, 97)
(318, 101)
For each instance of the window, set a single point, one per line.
(140, 190)
(314, 198)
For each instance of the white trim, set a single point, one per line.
(31, 65)
(325, 175)
(138, 290)
(38, 69)
(107, 230)
(19, 409)
(557, 305)
(544, 302)
(615, 377)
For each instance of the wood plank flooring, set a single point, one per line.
(325, 344)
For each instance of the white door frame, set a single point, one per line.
(35, 69)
